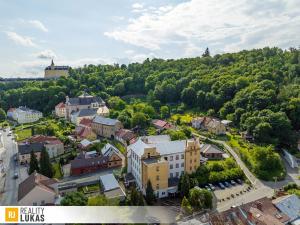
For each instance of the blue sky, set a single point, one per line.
(109, 31)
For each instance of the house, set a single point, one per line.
(84, 101)
(24, 115)
(84, 130)
(125, 136)
(261, 212)
(36, 143)
(161, 124)
(162, 161)
(37, 190)
(53, 145)
(77, 116)
(103, 111)
(111, 188)
(200, 122)
(115, 157)
(53, 71)
(83, 165)
(25, 149)
(106, 127)
(289, 205)
(211, 151)
(60, 110)
(216, 127)
(85, 144)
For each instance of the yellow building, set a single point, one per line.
(162, 161)
(53, 71)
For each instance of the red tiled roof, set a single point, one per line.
(60, 105)
(125, 134)
(159, 123)
(86, 122)
(42, 138)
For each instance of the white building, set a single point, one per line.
(173, 152)
(24, 115)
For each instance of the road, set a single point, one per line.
(10, 187)
(260, 188)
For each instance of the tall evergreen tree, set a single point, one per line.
(206, 53)
(185, 185)
(150, 195)
(34, 164)
(45, 164)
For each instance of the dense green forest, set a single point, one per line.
(259, 90)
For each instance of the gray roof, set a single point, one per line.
(109, 182)
(87, 162)
(211, 149)
(156, 138)
(289, 205)
(106, 121)
(109, 149)
(85, 112)
(85, 99)
(170, 147)
(26, 148)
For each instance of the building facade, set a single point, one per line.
(24, 115)
(106, 127)
(60, 110)
(162, 161)
(53, 71)
(84, 101)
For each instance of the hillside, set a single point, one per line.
(259, 90)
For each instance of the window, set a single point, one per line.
(157, 168)
(191, 161)
(191, 153)
(171, 158)
(177, 165)
(195, 160)
(171, 166)
(157, 187)
(157, 177)
(177, 174)
(43, 202)
(163, 193)
(195, 153)
(148, 155)
(177, 157)
(182, 164)
(171, 175)
(182, 156)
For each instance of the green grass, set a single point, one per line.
(57, 171)
(119, 146)
(89, 188)
(246, 151)
(23, 134)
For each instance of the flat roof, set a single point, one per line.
(109, 182)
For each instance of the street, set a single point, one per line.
(9, 185)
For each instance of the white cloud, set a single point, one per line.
(137, 5)
(39, 25)
(228, 24)
(46, 54)
(19, 39)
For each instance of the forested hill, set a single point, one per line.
(259, 89)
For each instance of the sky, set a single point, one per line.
(75, 33)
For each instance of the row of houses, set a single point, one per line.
(35, 144)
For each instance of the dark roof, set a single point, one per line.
(104, 120)
(86, 112)
(85, 100)
(35, 179)
(26, 148)
(88, 162)
(210, 149)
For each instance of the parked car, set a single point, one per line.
(226, 184)
(16, 175)
(221, 186)
(232, 182)
(207, 188)
(239, 181)
(212, 187)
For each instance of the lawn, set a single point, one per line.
(23, 134)
(90, 188)
(263, 161)
(57, 171)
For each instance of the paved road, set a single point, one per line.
(9, 195)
